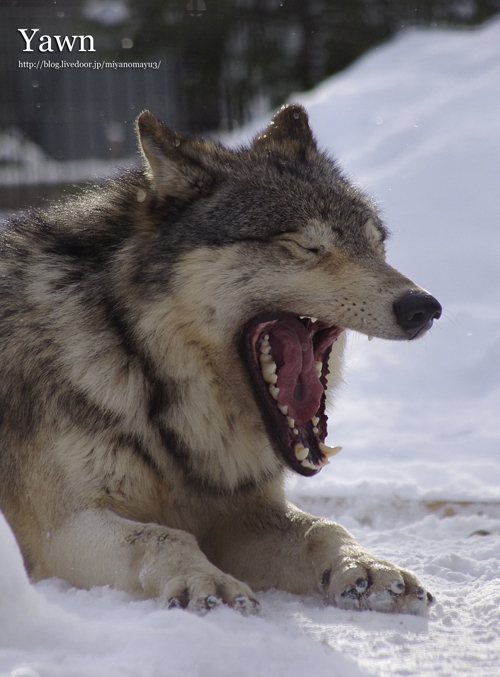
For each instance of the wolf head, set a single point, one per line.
(276, 253)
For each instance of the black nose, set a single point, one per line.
(415, 312)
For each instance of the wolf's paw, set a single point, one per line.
(202, 592)
(365, 582)
(352, 578)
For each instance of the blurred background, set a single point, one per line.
(221, 63)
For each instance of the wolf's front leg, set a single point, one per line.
(275, 545)
(97, 547)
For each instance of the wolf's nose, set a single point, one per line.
(415, 312)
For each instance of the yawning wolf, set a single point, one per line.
(166, 344)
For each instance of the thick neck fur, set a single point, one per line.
(176, 347)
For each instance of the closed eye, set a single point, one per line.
(313, 250)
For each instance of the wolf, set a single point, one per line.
(167, 344)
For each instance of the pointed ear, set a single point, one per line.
(174, 162)
(289, 130)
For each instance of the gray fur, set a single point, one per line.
(134, 450)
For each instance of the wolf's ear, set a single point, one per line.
(289, 130)
(178, 166)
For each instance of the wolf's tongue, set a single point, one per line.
(299, 386)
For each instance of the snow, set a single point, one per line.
(416, 123)
(23, 162)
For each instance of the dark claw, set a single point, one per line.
(420, 592)
(255, 604)
(247, 604)
(361, 584)
(325, 578)
(397, 587)
(430, 599)
(241, 603)
(350, 593)
(174, 603)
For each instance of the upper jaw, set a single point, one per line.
(290, 385)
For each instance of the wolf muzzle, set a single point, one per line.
(415, 313)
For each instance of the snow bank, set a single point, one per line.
(416, 122)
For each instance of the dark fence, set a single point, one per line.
(199, 65)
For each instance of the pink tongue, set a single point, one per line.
(299, 385)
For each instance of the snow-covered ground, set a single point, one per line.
(417, 123)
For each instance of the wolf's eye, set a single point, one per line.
(312, 250)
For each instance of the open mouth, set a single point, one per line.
(287, 356)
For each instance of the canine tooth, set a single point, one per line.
(315, 420)
(319, 368)
(274, 391)
(329, 451)
(370, 338)
(301, 452)
(313, 319)
(291, 422)
(315, 430)
(283, 408)
(307, 464)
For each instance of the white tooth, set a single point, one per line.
(291, 422)
(314, 319)
(266, 337)
(265, 350)
(370, 338)
(265, 358)
(323, 462)
(315, 430)
(315, 420)
(268, 371)
(301, 452)
(283, 408)
(303, 317)
(295, 431)
(307, 464)
(329, 451)
(274, 391)
(319, 368)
